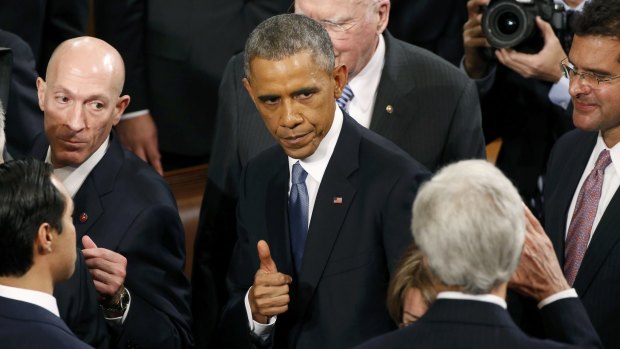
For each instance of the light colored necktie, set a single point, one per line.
(298, 213)
(346, 96)
(580, 226)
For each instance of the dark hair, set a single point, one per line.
(599, 18)
(285, 35)
(28, 198)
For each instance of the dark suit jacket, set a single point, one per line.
(130, 210)
(338, 298)
(175, 54)
(598, 279)
(435, 118)
(25, 325)
(474, 324)
(24, 119)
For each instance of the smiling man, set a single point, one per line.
(323, 214)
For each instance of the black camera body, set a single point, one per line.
(512, 23)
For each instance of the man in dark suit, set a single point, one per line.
(37, 251)
(349, 194)
(404, 93)
(585, 234)
(126, 216)
(469, 223)
(175, 53)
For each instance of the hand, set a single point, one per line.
(139, 134)
(107, 268)
(473, 40)
(544, 65)
(269, 294)
(539, 274)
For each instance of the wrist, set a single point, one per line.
(116, 306)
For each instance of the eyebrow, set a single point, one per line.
(592, 70)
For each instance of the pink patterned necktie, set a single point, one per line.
(585, 210)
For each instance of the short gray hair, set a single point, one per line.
(2, 136)
(285, 35)
(469, 221)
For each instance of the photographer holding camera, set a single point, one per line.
(523, 96)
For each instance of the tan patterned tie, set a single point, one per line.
(585, 211)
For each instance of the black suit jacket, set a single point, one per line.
(435, 118)
(479, 325)
(175, 53)
(130, 209)
(338, 298)
(25, 325)
(598, 280)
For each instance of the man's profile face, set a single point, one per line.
(65, 245)
(596, 106)
(352, 25)
(81, 104)
(296, 99)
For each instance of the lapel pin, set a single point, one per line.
(338, 200)
(389, 109)
(83, 217)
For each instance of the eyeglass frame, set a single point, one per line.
(569, 72)
(335, 27)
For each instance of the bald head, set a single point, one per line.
(88, 56)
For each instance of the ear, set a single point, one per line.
(339, 75)
(41, 87)
(44, 239)
(384, 15)
(120, 107)
(248, 87)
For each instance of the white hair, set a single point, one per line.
(469, 222)
(2, 137)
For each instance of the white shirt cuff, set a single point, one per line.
(558, 94)
(118, 321)
(570, 293)
(134, 114)
(261, 330)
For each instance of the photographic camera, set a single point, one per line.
(512, 23)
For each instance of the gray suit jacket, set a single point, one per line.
(435, 117)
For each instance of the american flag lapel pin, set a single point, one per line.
(338, 200)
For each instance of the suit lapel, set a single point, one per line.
(391, 88)
(568, 178)
(333, 200)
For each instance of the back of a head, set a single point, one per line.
(28, 198)
(598, 18)
(469, 222)
(285, 35)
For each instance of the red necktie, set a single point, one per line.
(585, 211)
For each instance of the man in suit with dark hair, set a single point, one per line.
(406, 94)
(126, 216)
(298, 267)
(582, 207)
(37, 250)
(470, 225)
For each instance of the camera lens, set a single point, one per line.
(508, 23)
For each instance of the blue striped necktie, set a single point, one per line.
(346, 96)
(298, 213)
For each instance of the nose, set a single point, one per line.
(578, 85)
(290, 117)
(75, 118)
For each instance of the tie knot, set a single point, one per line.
(299, 174)
(346, 96)
(604, 159)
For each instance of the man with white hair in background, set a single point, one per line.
(469, 223)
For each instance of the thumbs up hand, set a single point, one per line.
(269, 294)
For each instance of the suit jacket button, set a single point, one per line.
(389, 109)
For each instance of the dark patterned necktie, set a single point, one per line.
(298, 213)
(580, 226)
(346, 96)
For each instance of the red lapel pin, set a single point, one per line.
(83, 217)
(338, 200)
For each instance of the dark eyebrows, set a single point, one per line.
(266, 98)
(305, 91)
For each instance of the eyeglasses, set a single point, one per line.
(337, 29)
(591, 79)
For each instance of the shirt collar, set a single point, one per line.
(614, 152)
(369, 76)
(74, 177)
(577, 8)
(42, 299)
(488, 298)
(316, 163)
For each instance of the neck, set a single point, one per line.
(499, 291)
(30, 281)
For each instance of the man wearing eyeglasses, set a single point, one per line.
(582, 201)
(406, 94)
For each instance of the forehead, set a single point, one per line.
(583, 47)
(85, 76)
(285, 72)
(330, 9)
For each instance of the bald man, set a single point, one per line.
(125, 216)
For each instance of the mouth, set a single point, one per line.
(295, 141)
(583, 106)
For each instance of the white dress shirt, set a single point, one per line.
(41, 299)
